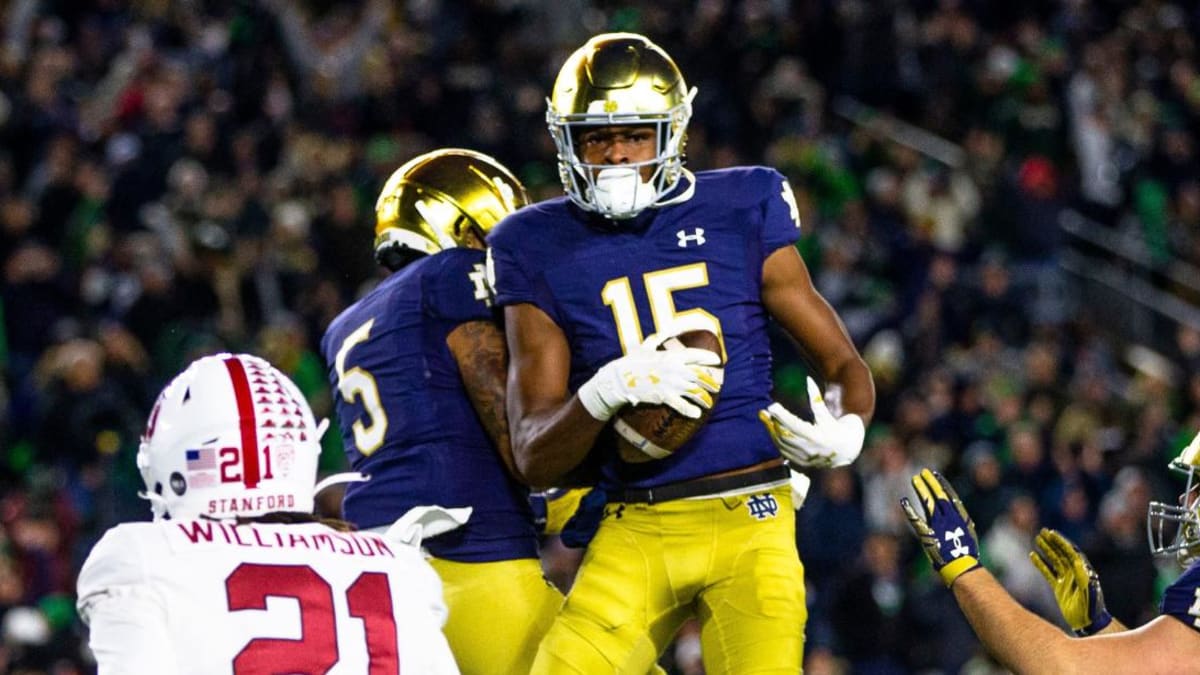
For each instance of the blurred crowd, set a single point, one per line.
(178, 178)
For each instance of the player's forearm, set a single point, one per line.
(549, 444)
(1018, 638)
(857, 388)
(479, 350)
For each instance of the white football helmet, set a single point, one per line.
(1180, 523)
(620, 79)
(229, 437)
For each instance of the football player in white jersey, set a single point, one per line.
(235, 574)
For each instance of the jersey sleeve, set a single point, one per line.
(509, 277)
(1182, 598)
(457, 288)
(125, 615)
(781, 214)
(519, 251)
(515, 284)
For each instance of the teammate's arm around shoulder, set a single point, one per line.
(552, 431)
(126, 617)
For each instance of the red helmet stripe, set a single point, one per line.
(249, 428)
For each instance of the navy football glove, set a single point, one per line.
(946, 531)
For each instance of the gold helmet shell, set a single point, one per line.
(436, 200)
(614, 79)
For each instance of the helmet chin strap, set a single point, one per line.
(339, 478)
(621, 192)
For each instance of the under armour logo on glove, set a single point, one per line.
(946, 531)
(959, 549)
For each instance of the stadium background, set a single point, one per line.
(1002, 201)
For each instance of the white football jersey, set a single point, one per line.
(205, 597)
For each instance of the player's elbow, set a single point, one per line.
(534, 472)
(549, 447)
(545, 466)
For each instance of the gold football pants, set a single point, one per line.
(499, 611)
(560, 506)
(729, 561)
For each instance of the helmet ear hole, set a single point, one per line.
(178, 483)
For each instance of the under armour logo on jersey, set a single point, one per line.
(763, 506)
(614, 511)
(696, 237)
(478, 277)
(956, 536)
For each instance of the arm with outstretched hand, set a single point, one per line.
(1075, 584)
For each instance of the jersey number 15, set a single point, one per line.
(661, 286)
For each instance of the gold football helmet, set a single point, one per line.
(1174, 529)
(619, 78)
(434, 200)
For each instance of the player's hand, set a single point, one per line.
(825, 442)
(1075, 584)
(946, 531)
(683, 378)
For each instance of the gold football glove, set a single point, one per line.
(1075, 584)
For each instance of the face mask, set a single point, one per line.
(620, 192)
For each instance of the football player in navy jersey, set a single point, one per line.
(1026, 643)
(592, 283)
(419, 365)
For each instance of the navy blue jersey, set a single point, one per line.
(407, 420)
(1182, 598)
(696, 264)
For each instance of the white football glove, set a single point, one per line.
(683, 378)
(825, 442)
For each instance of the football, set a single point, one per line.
(646, 430)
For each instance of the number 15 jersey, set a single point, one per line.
(207, 597)
(694, 264)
